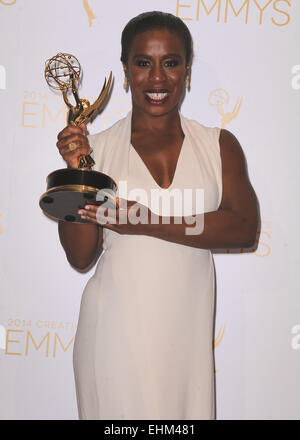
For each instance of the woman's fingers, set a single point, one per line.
(83, 127)
(73, 143)
(72, 157)
(98, 214)
(79, 141)
(120, 219)
(72, 129)
(77, 138)
(113, 216)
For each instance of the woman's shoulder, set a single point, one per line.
(108, 143)
(197, 124)
(201, 130)
(101, 136)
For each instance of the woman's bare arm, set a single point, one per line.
(81, 242)
(235, 223)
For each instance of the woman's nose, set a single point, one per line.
(157, 73)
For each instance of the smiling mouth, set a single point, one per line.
(157, 97)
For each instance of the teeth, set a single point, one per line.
(157, 96)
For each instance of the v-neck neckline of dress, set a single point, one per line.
(179, 159)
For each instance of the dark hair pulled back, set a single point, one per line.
(155, 20)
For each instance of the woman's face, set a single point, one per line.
(156, 71)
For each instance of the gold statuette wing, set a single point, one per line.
(90, 111)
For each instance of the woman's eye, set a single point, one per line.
(142, 63)
(171, 63)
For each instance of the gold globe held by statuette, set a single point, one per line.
(61, 70)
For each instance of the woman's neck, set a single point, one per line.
(168, 123)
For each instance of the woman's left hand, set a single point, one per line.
(128, 217)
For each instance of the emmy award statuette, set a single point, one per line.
(69, 189)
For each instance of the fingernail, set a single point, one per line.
(86, 207)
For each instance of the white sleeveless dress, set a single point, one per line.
(144, 341)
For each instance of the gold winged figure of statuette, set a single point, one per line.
(63, 72)
(83, 110)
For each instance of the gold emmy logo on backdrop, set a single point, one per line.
(229, 10)
(265, 230)
(220, 97)
(8, 3)
(25, 337)
(89, 12)
(70, 189)
(219, 337)
(40, 109)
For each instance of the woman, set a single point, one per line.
(144, 343)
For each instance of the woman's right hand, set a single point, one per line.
(76, 135)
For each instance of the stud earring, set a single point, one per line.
(126, 85)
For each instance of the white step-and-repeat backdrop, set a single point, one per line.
(246, 78)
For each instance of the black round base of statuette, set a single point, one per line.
(69, 190)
